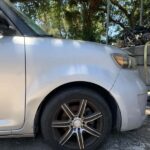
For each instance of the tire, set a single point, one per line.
(81, 110)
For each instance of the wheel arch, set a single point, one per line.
(115, 110)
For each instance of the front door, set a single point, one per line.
(12, 81)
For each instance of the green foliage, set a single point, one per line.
(84, 19)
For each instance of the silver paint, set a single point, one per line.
(51, 63)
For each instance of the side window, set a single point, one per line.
(6, 27)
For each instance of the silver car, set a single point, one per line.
(73, 92)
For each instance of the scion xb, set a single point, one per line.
(73, 92)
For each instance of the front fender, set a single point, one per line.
(51, 63)
(45, 83)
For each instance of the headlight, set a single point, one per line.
(125, 61)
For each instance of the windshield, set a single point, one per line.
(18, 8)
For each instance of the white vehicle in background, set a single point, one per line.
(74, 92)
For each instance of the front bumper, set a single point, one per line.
(130, 94)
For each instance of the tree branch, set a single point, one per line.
(114, 2)
(117, 22)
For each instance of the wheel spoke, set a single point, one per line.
(82, 108)
(66, 137)
(80, 139)
(67, 111)
(61, 124)
(92, 117)
(91, 131)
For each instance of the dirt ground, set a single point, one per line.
(132, 140)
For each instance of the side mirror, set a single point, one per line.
(5, 29)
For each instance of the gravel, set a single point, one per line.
(133, 140)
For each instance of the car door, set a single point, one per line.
(12, 79)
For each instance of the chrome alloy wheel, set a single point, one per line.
(78, 123)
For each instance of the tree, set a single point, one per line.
(84, 19)
(76, 19)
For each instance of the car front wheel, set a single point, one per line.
(76, 118)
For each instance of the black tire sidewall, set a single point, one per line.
(64, 97)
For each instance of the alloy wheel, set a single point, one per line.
(82, 119)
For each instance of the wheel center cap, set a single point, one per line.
(77, 123)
